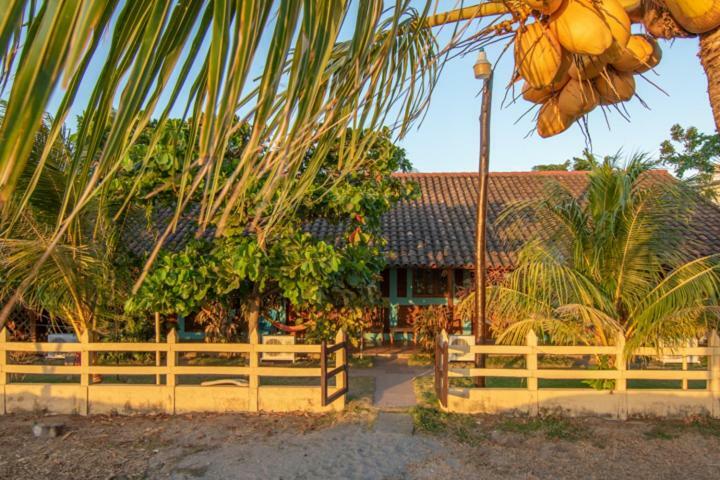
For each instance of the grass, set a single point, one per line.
(554, 427)
(361, 362)
(671, 429)
(421, 359)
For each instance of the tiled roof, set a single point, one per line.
(437, 230)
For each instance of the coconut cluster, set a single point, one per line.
(579, 55)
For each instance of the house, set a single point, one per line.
(430, 240)
(430, 249)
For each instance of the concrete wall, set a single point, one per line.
(585, 402)
(131, 399)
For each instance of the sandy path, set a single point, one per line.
(311, 447)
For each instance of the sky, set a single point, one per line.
(448, 139)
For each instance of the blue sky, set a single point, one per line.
(448, 138)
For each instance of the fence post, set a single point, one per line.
(171, 362)
(341, 360)
(85, 369)
(531, 361)
(621, 379)
(444, 368)
(253, 378)
(157, 352)
(714, 383)
(3, 363)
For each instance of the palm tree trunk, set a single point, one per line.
(710, 58)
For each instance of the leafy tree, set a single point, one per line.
(587, 161)
(613, 262)
(693, 156)
(330, 67)
(320, 279)
(552, 167)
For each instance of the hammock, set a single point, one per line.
(288, 328)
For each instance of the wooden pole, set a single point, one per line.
(480, 316)
(85, 369)
(621, 381)
(157, 340)
(714, 361)
(3, 363)
(531, 361)
(170, 379)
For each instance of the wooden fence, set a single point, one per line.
(231, 393)
(617, 401)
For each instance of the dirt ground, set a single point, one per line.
(355, 445)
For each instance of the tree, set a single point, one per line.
(327, 282)
(330, 66)
(614, 262)
(552, 167)
(587, 161)
(67, 287)
(693, 156)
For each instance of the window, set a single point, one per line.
(429, 283)
(385, 284)
(401, 282)
(464, 280)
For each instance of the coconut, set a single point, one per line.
(586, 67)
(615, 87)
(695, 16)
(578, 98)
(551, 121)
(581, 28)
(544, 6)
(536, 95)
(538, 55)
(630, 5)
(617, 21)
(636, 55)
(652, 60)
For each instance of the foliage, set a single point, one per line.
(614, 262)
(66, 287)
(587, 161)
(552, 167)
(694, 156)
(330, 66)
(427, 323)
(327, 282)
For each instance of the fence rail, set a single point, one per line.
(532, 398)
(87, 367)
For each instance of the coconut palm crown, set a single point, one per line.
(613, 261)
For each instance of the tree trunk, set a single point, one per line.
(710, 58)
(253, 317)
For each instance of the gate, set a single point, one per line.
(340, 349)
(441, 368)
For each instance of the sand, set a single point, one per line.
(353, 446)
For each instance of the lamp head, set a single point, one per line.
(482, 67)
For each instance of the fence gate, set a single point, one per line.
(340, 351)
(441, 368)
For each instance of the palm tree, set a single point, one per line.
(301, 72)
(68, 286)
(615, 261)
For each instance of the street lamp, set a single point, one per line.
(483, 71)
